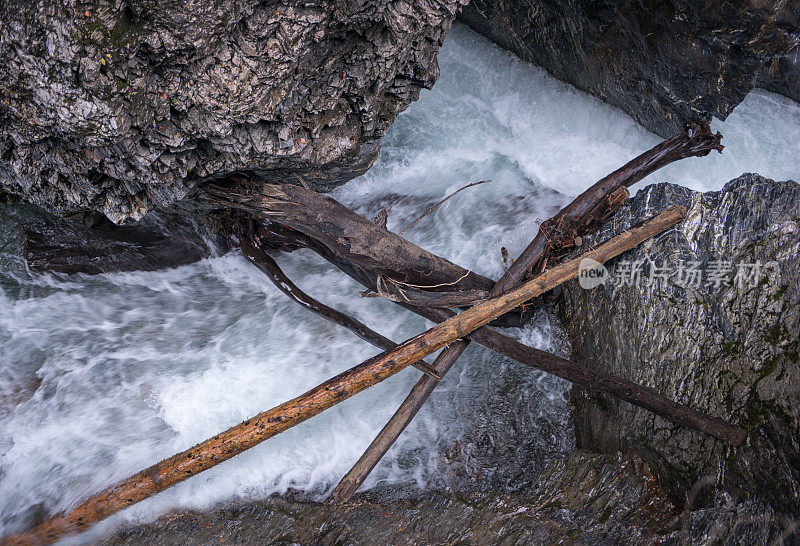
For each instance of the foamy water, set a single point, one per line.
(101, 376)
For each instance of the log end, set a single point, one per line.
(700, 139)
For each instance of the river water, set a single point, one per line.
(101, 376)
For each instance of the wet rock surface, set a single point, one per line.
(582, 499)
(661, 62)
(89, 243)
(118, 107)
(722, 344)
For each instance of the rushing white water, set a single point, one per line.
(100, 376)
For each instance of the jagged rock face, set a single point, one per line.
(661, 62)
(119, 106)
(729, 350)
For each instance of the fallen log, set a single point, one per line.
(595, 204)
(253, 431)
(585, 214)
(351, 236)
(419, 277)
(268, 266)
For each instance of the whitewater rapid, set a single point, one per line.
(101, 376)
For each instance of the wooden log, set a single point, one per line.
(589, 208)
(351, 236)
(268, 266)
(410, 274)
(253, 431)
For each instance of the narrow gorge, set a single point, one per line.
(134, 138)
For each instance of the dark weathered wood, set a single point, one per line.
(268, 266)
(351, 236)
(560, 231)
(399, 269)
(269, 423)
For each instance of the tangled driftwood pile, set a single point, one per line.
(271, 216)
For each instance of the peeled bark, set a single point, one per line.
(269, 423)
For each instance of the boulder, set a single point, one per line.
(711, 320)
(121, 106)
(661, 62)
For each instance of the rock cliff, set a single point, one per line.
(118, 106)
(712, 320)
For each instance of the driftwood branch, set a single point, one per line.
(266, 264)
(253, 431)
(437, 205)
(600, 200)
(388, 435)
(351, 238)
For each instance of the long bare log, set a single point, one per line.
(585, 214)
(269, 423)
(266, 264)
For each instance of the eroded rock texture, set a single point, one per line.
(583, 499)
(661, 62)
(122, 105)
(725, 346)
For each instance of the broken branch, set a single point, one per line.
(599, 201)
(436, 206)
(266, 264)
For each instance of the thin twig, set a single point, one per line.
(434, 207)
(458, 280)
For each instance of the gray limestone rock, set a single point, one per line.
(119, 106)
(727, 346)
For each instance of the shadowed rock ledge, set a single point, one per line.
(121, 106)
(583, 499)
